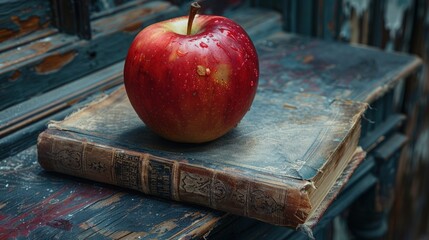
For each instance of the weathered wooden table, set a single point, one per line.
(35, 204)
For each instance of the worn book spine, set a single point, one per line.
(285, 204)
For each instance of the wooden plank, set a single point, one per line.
(14, 59)
(375, 137)
(60, 98)
(15, 142)
(389, 147)
(26, 73)
(30, 37)
(330, 10)
(100, 8)
(258, 23)
(326, 68)
(21, 17)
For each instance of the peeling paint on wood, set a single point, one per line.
(24, 26)
(46, 211)
(108, 201)
(308, 59)
(15, 75)
(28, 38)
(394, 15)
(360, 6)
(130, 19)
(91, 229)
(194, 215)
(41, 46)
(127, 235)
(54, 63)
(133, 27)
(108, 45)
(164, 227)
(61, 224)
(13, 57)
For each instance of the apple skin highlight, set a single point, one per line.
(192, 88)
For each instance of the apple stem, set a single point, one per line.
(193, 10)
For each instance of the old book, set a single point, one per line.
(277, 165)
(69, 209)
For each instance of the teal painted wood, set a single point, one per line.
(369, 215)
(21, 17)
(61, 97)
(101, 8)
(258, 23)
(69, 59)
(300, 64)
(23, 136)
(69, 208)
(372, 138)
(306, 17)
(329, 19)
(27, 38)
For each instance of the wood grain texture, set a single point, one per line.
(20, 18)
(36, 204)
(29, 111)
(77, 57)
(302, 64)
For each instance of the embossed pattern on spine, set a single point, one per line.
(127, 168)
(173, 179)
(237, 195)
(159, 174)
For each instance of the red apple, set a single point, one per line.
(192, 88)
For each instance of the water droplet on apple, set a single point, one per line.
(194, 93)
(252, 83)
(180, 53)
(203, 45)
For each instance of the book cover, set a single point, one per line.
(277, 165)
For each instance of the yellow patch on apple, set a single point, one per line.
(222, 74)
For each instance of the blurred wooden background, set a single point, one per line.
(392, 25)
